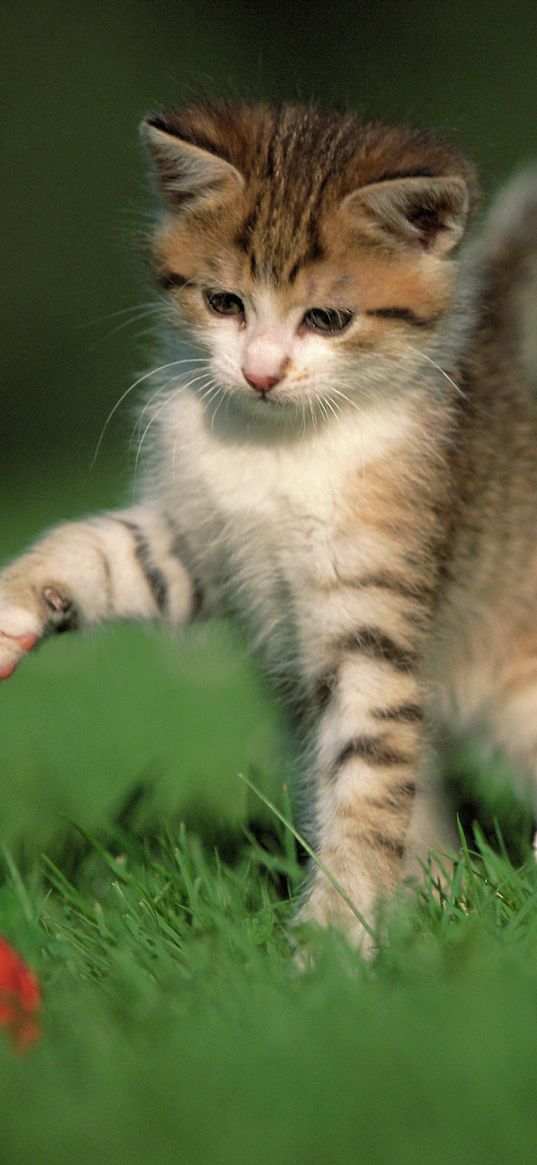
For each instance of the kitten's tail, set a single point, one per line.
(510, 254)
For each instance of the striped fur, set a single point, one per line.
(349, 470)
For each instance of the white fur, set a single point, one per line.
(262, 508)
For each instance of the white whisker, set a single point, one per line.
(137, 307)
(337, 392)
(206, 393)
(124, 395)
(163, 390)
(442, 371)
(120, 327)
(158, 411)
(213, 418)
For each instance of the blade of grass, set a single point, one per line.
(19, 886)
(311, 853)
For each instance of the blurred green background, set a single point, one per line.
(86, 720)
(77, 79)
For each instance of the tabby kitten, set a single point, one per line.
(349, 469)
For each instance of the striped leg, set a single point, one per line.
(122, 565)
(368, 760)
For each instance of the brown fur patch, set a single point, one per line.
(284, 229)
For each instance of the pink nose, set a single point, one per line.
(260, 381)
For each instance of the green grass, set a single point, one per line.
(176, 1027)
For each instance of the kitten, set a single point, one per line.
(349, 470)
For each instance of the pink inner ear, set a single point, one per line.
(429, 223)
(186, 171)
(427, 212)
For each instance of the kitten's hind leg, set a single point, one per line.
(512, 723)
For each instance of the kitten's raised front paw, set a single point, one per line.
(25, 616)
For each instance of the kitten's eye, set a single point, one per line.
(224, 303)
(327, 319)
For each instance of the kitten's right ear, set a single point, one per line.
(186, 172)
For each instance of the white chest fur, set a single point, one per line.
(260, 509)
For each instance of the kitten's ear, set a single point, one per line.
(428, 213)
(185, 172)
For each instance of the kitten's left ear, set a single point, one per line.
(425, 213)
(186, 172)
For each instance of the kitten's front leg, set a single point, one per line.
(367, 760)
(122, 565)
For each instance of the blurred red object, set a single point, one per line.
(20, 999)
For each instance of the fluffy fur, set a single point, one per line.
(347, 466)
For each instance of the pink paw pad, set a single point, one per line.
(7, 669)
(26, 642)
(19, 645)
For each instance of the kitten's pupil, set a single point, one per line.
(327, 319)
(224, 303)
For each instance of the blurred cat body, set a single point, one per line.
(349, 470)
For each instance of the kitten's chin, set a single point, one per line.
(270, 407)
(278, 410)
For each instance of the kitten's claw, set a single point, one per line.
(57, 600)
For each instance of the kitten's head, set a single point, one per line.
(309, 253)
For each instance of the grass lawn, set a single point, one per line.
(151, 890)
